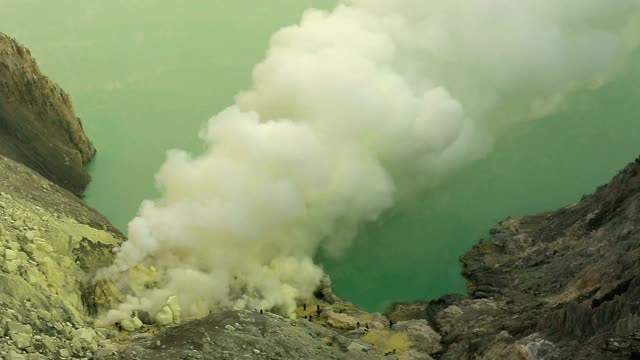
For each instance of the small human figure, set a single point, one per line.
(358, 325)
(260, 311)
(304, 307)
(390, 324)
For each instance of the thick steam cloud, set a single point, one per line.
(350, 110)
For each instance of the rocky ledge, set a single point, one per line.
(38, 127)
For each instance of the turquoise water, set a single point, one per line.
(145, 75)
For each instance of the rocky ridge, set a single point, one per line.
(38, 127)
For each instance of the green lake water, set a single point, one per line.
(145, 75)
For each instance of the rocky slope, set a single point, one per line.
(38, 127)
(558, 285)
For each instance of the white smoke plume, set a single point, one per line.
(349, 110)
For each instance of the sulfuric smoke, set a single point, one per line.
(350, 110)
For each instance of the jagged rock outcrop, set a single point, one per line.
(38, 127)
(558, 285)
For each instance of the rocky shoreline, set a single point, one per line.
(559, 285)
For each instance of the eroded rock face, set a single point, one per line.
(38, 127)
(558, 285)
(51, 243)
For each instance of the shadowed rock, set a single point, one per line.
(38, 127)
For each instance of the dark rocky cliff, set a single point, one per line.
(558, 285)
(38, 127)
